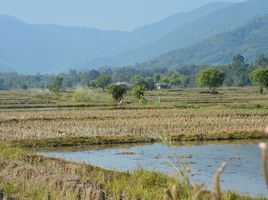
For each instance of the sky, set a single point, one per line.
(101, 14)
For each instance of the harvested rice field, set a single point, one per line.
(141, 122)
(29, 123)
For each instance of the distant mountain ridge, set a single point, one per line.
(30, 48)
(250, 41)
(225, 19)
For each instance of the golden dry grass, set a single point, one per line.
(146, 123)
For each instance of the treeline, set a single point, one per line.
(236, 74)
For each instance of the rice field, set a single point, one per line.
(177, 98)
(140, 122)
(187, 114)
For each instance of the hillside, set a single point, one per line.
(220, 21)
(30, 48)
(249, 40)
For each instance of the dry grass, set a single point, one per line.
(145, 123)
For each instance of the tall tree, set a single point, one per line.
(261, 61)
(56, 86)
(211, 78)
(259, 77)
(103, 81)
(237, 72)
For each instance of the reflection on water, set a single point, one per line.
(243, 173)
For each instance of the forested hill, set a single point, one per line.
(249, 40)
(225, 19)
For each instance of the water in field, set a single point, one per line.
(243, 173)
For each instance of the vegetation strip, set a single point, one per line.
(106, 140)
(80, 141)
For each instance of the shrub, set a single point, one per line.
(118, 92)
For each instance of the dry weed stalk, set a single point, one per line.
(171, 194)
(263, 147)
(216, 194)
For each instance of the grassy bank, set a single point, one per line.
(109, 140)
(29, 176)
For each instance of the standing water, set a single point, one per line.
(243, 173)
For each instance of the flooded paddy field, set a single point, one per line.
(243, 173)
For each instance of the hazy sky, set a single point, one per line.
(103, 14)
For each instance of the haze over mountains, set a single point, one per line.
(249, 40)
(31, 48)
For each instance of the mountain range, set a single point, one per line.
(249, 40)
(178, 39)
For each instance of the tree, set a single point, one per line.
(238, 59)
(147, 83)
(118, 92)
(92, 84)
(185, 81)
(2, 83)
(150, 84)
(24, 87)
(93, 74)
(164, 79)
(138, 92)
(259, 77)
(261, 61)
(175, 80)
(103, 81)
(87, 76)
(71, 79)
(237, 73)
(157, 78)
(211, 78)
(56, 86)
(138, 81)
(106, 71)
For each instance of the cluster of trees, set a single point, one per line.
(213, 78)
(237, 73)
(210, 78)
